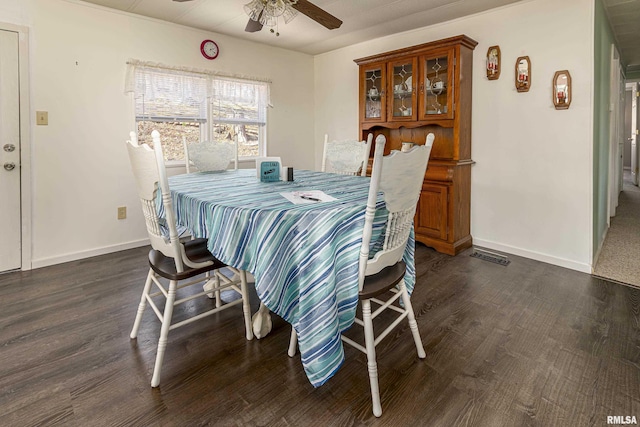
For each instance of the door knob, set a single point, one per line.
(9, 148)
(9, 166)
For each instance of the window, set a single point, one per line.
(238, 113)
(199, 106)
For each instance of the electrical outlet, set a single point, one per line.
(122, 212)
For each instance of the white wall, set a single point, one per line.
(81, 171)
(531, 186)
(14, 12)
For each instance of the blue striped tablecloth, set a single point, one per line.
(304, 257)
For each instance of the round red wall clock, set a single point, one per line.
(209, 49)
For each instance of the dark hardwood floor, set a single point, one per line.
(525, 344)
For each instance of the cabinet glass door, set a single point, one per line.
(373, 79)
(402, 105)
(436, 100)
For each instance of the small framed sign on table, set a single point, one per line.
(269, 171)
(268, 168)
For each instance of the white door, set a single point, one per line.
(621, 131)
(10, 227)
(615, 114)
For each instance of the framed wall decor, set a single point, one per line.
(523, 74)
(561, 87)
(493, 63)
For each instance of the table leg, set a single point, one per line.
(261, 322)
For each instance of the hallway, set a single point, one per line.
(619, 259)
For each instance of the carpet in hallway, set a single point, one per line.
(619, 259)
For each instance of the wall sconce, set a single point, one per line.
(523, 74)
(493, 63)
(561, 90)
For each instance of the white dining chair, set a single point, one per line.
(381, 279)
(180, 263)
(209, 155)
(349, 157)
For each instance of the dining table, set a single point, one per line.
(302, 251)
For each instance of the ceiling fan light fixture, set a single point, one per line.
(289, 14)
(268, 20)
(267, 12)
(274, 8)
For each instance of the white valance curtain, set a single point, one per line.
(178, 93)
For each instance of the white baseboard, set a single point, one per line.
(59, 259)
(573, 265)
(549, 259)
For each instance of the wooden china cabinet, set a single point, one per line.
(405, 94)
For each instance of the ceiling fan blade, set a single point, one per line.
(319, 15)
(181, 1)
(253, 26)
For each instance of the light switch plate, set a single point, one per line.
(42, 118)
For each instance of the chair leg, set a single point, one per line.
(246, 307)
(369, 340)
(212, 288)
(164, 333)
(142, 305)
(413, 325)
(293, 343)
(216, 281)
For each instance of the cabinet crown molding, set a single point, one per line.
(461, 40)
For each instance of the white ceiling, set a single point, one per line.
(624, 17)
(362, 19)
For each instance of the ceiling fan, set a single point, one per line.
(261, 7)
(274, 8)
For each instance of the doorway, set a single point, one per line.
(15, 247)
(618, 259)
(632, 122)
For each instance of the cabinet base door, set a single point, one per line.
(431, 224)
(431, 213)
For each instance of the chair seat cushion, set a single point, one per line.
(381, 282)
(196, 251)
